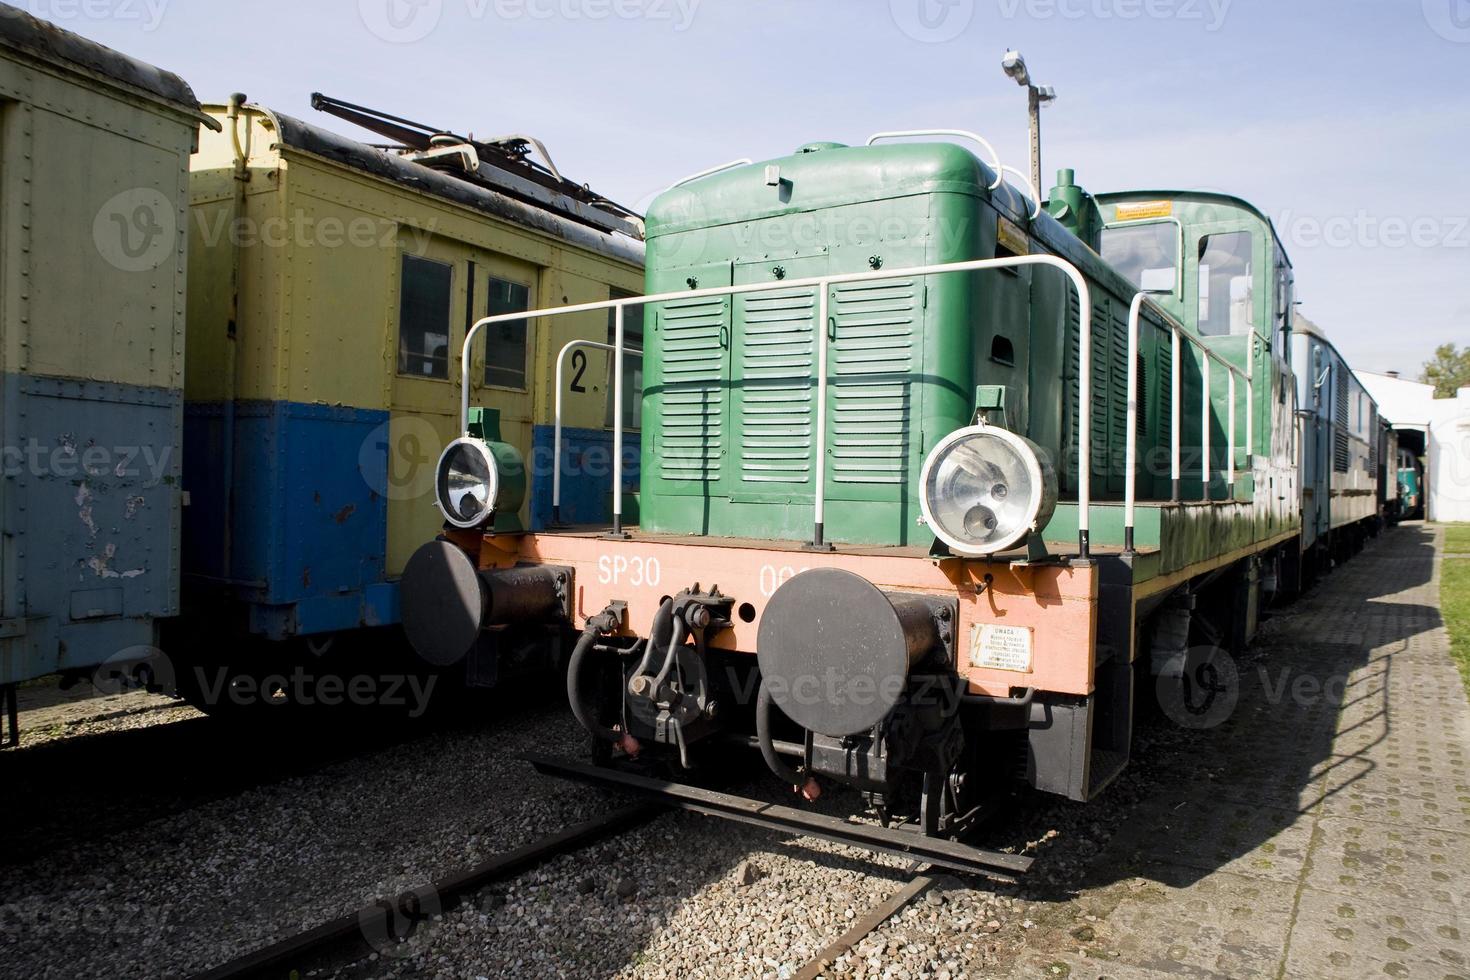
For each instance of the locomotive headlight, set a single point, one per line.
(467, 482)
(983, 489)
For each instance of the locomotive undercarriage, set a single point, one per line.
(669, 699)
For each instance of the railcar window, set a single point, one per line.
(1147, 255)
(423, 318)
(632, 364)
(1226, 285)
(506, 343)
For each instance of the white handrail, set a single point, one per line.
(742, 162)
(1180, 336)
(1035, 197)
(1176, 422)
(556, 438)
(1204, 439)
(996, 165)
(1130, 438)
(1230, 438)
(1084, 352)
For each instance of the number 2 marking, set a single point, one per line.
(579, 364)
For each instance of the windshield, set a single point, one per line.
(1147, 254)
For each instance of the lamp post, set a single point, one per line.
(1036, 96)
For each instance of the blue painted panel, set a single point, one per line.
(90, 520)
(306, 521)
(586, 475)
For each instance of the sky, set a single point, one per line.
(1346, 121)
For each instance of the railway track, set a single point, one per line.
(356, 935)
(388, 923)
(919, 882)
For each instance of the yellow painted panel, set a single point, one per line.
(342, 302)
(105, 294)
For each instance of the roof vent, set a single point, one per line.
(819, 147)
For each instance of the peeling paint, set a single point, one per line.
(101, 565)
(341, 516)
(133, 505)
(83, 501)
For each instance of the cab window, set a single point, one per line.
(507, 344)
(1147, 255)
(1226, 284)
(423, 318)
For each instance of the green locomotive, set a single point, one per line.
(948, 517)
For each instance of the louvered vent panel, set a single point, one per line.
(871, 368)
(690, 439)
(1166, 393)
(776, 393)
(1109, 360)
(1339, 431)
(1373, 437)
(1141, 422)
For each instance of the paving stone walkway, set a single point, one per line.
(1326, 830)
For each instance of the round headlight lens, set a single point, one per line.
(466, 483)
(983, 489)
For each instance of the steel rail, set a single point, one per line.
(941, 852)
(819, 965)
(351, 930)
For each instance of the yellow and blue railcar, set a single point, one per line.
(331, 286)
(94, 163)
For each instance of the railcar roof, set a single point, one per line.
(819, 176)
(41, 39)
(303, 136)
(1111, 197)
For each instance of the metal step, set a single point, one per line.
(949, 854)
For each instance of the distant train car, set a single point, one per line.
(1410, 475)
(1339, 446)
(1385, 458)
(94, 163)
(331, 284)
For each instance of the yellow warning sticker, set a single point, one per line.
(1145, 209)
(1008, 235)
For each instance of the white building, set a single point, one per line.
(1445, 423)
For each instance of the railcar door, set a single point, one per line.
(443, 287)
